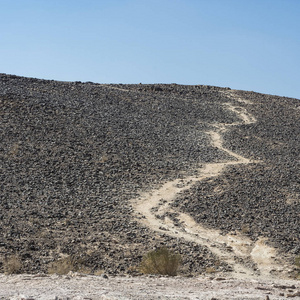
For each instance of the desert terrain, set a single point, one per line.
(104, 173)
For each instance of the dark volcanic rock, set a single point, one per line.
(261, 199)
(72, 155)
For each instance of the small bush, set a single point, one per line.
(245, 229)
(161, 261)
(12, 265)
(297, 262)
(98, 272)
(65, 265)
(210, 270)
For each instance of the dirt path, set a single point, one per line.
(248, 259)
(114, 87)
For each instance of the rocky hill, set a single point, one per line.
(75, 155)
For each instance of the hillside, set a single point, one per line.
(78, 159)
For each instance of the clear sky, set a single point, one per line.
(243, 44)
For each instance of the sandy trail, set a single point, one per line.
(248, 259)
(114, 87)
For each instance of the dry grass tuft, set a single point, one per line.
(210, 270)
(161, 261)
(68, 264)
(245, 229)
(12, 265)
(297, 262)
(98, 272)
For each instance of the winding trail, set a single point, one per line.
(248, 259)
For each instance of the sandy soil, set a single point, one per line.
(75, 286)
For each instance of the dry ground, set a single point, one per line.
(73, 286)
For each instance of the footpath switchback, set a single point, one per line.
(154, 209)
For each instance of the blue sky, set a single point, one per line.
(243, 44)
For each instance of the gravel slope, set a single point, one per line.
(259, 199)
(72, 155)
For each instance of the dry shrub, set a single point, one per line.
(132, 269)
(98, 272)
(14, 150)
(68, 264)
(12, 265)
(297, 262)
(210, 270)
(161, 261)
(245, 229)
